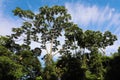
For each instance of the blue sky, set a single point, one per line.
(88, 14)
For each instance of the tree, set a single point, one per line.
(93, 41)
(44, 28)
(32, 66)
(95, 65)
(9, 68)
(21, 56)
(70, 68)
(113, 67)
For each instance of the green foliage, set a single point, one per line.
(75, 38)
(4, 51)
(9, 68)
(94, 41)
(95, 64)
(20, 62)
(27, 14)
(49, 72)
(113, 68)
(31, 64)
(90, 76)
(20, 58)
(44, 28)
(71, 67)
(39, 78)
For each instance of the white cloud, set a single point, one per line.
(82, 14)
(111, 49)
(6, 23)
(96, 18)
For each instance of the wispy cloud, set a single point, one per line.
(104, 18)
(96, 18)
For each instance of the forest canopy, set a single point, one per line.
(21, 62)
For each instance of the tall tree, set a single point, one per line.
(44, 28)
(89, 40)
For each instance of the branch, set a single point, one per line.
(56, 52)
(26, 20)
(49, 24)
(102, 50)
(46, 48)
(38, 41)
(17, 40)
(41, 42)
(51, 46)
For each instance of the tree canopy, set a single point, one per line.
(21, 62)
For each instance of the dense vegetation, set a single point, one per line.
(82, 56)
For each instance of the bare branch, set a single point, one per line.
(51, 46)
(46, 48)
(56, 52)
(102, 50)
(26, 20)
